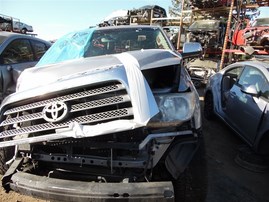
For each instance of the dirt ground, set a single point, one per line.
(227, 181)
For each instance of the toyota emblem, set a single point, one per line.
(55, 112)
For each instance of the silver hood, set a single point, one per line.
(40, 76)
(124, 67)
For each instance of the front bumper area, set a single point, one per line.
(67, 190)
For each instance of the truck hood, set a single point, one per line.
(125, 67)
(44, 75)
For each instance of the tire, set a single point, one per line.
(5, 155)
(209, 106)
(191, 186)
(23, 31)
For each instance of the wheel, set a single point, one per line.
(23, 31)
(5, 155)
(209, 106)
(191, 186)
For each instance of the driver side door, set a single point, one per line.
(245, 110)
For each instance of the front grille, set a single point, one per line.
(90, 105)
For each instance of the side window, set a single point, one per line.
(17, 51)
(230, 77)
(252, 76)
(39, 48)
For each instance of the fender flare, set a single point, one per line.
(179, 157)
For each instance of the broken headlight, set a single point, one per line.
(175, 107)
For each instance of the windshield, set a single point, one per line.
(205, 24)
(96, 42)
(113, 41)
(261, 22)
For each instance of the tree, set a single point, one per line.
(175, 10)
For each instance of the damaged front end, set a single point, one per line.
(124, 128)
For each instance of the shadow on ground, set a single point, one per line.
(227, 181)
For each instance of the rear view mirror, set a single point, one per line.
(250, 89)
(192, 49)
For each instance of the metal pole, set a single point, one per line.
(226, 35)
(151, 16)
(11, 25)
(180, 25)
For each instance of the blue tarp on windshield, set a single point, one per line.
(71, 46)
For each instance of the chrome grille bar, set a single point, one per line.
(74, 108)
(81, 120)
(88, 105)
(100, 103)
(28, 117)
(83, 94)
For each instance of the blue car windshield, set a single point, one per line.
(96, 42)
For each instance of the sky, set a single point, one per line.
(52, 19)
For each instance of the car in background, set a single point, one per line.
(201, 70)
(22, 27)
(239, 95)
(252, 34)
(210, 4)
(18, 26)
(107, 113)
(141, 16)
(17, 52)
(210, 33)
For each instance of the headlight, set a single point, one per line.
(175, 107)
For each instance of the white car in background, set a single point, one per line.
(22, 27)
(18, 26)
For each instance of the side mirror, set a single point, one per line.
(251, 90)
(191, 49)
